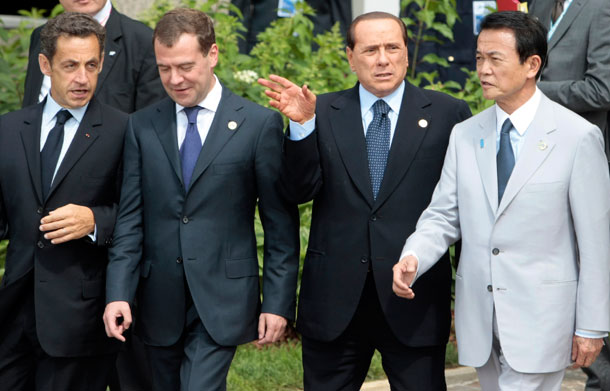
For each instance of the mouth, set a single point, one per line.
(80, 93)
(383, 75)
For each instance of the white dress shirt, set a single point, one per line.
(49, 112)
(204, 117)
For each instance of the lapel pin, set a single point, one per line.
(232, 125)
(111, 53)
(542, 145)
(482, 143)
(422, 123)
(87, 135)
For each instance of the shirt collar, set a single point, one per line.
(211, 100)
(368, 99)
(103, 14)
(523, 116)
(51, 107)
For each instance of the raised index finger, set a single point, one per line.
(282, 81)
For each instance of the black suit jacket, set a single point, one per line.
(129, 79)
(204, 236)
(351, 232)
(69, 277)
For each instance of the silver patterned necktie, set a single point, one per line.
(378, 144)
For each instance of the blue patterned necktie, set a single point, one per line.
(189, 151)
(505, 159)
(378, 144)
(51, 150)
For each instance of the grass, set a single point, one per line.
(278, 368)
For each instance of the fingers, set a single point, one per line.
(310, 96)
(270, 328)
(68, 222)
(585, 350)
(282, 81)
(404, 273)
(117, 319)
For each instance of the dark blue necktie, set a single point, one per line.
(505, 159)
(189, 152)
(51, 150)
(378, 144)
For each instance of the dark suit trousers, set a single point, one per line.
(342, 364)
(196, 362)
(24, 366)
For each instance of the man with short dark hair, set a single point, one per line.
(196, 164)
(525, 186)
(59, 187)
(129, 80)
(369, 158)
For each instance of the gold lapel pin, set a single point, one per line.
(542, 145)
(422, 123)
(232, 125)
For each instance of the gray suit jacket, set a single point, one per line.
(541, 257)
(577, 72)
(167, 237)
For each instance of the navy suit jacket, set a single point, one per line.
(352, 233)
(167, 237)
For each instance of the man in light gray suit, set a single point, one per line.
(525, 186)
(577, 75)
(577, 71)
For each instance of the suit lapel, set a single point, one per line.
(349, 137)
(485, 151)
(407, 139)
(545, 12)
(30, 137)
(85, 136)
(537, 146)
(113, 48)
(164, 124)
(565, 23)
(230, 109)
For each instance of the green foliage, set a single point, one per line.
(3, 245)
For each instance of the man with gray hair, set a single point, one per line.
(59, 173)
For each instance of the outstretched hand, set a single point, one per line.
(296, 103)
(404, 274)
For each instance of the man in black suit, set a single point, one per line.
(129, 80)
(60, 164)
(362, 186)
(195, 166)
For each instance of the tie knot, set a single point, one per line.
(507, 126)
(380, 108)
(62, 117)
(191, 113)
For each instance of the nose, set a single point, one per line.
(382, 59)
(81, 75)
(175, 77)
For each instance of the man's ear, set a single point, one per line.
(45, 64)
(349, 52)
(534, 62)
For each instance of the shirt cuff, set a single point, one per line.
(298, 132)
(590, 333)
(93, 236)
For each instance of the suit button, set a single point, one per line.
(495, 251)
(179, 260)
(490, 288)
(40, 244)
(185, 220)
(39, 210)
(373, 218)
(364, 259)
